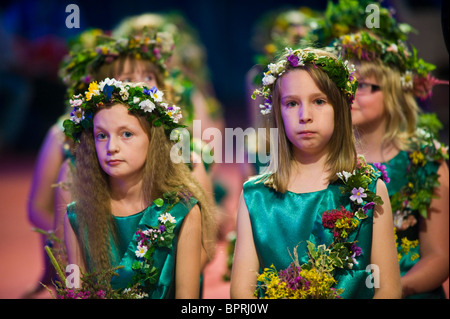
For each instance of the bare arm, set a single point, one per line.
(187, 278)
(41, 198)
(62, 198)
(432, 269)
(245, 264)
(73, 249)
(384, 252)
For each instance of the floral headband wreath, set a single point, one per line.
(415, 72)
(139, 99)
(338, 71)
(77, 68)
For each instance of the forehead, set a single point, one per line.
(115, 116)
(297, 81)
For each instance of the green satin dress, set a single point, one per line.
(396, 171)
(124, 252)
(280, 222)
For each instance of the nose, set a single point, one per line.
(113, 146)
(304, 114)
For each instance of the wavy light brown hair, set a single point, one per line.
(91, 193)
(342, 151)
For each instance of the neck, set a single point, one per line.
(370, 144)
(309, 173)
(126, 195)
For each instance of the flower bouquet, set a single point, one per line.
(95, 285)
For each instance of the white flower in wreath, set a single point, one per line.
(276, 68)
(124, 93)
(147, 105)
(268, 79)
(110, 82)
(77, 115)
(407, 80)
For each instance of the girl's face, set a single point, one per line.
(120, 141)
(307, 115)
(137, 71)
(368, 106)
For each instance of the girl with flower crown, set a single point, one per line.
(132, 206)
(315, 188)
(391, 130)
(93, 56)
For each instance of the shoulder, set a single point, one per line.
(256, 182)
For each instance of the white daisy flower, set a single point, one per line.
(166, 217)
(77, 115)
(140, 251)
(407, 80)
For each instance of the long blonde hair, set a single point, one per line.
(401, 109)
(91, 193)
(342, 151)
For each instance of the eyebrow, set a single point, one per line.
(293, 96)
(122, 127)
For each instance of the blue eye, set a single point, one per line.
(291, 104)
(127, 134)
(100, 136)
(320, 102)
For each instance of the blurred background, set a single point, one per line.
(33, 41)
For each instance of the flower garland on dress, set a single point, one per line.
(417, 194)
(339, 72)
(137, 97)
(415, 72)
(315, 278)
(146, 275)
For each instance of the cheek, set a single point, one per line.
(288, 124)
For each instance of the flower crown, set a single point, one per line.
(346, 16)
(338, 71)
(137, 97)
(415, 72)
(78, 67)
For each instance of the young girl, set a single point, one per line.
(386, 116)
(132, 205)
(309, 93)
(130, 59)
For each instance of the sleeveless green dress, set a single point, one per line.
(280, 222)
(408, 245)
(125, 249)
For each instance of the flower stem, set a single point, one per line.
(56, 265)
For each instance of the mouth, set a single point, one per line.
(113, 162)
(306, 133)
